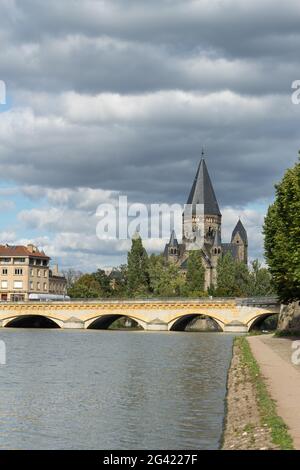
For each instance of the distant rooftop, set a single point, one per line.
(22, 251)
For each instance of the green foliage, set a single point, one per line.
(282, 236)
(154, 276)
(138, 270)
(266, 406)
(86, 287)
(91, 286)
(236, 280)
(166, 280)
(104, 282)
(260, 281)
(118, 281)
(195, 276)
(233, 277)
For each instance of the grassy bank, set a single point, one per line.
(266, 405)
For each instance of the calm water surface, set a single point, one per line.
(112, 389)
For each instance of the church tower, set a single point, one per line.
(202, 217)
(201, 230)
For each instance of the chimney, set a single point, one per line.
(31, 248)
(54, 270)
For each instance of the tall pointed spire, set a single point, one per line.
(173, 239)
(202, 191)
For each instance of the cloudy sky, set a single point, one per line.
(118, 97)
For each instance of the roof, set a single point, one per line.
(231, 248)
(239, 228)
(202, 191)
(173, 240)
(20, 250)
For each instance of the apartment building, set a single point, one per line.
(24, 270)
(57, 282)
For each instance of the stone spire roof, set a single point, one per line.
(202, 191)
(173, 240)
(239, 228)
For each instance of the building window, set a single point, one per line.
(5, 260)
(39, 273)
(45, 286)
(4, 284)
(45, 273)
(38, 286)
(19, 260)
(32, 272)
(4, 272)
(31, 285)
(18, 285)
(18, 272)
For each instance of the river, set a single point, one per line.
(95, 389)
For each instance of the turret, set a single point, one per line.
(240, 239)
(172, 248)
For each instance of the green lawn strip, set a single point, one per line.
(266, 405)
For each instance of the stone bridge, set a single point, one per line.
(231, 315)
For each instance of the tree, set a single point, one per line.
(86, 287)
(104, 282)
(71, 276)
(195, 276)
(282, 236)
(260, 281)
(118, 281)
(226, 276)
(137, 273)
(232, 277)
(241, 279)
(165, 278)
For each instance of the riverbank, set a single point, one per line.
(252, 421)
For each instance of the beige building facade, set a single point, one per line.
(24, 270)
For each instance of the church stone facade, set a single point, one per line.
(204, 231)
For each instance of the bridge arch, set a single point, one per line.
(181, 322)
(257, 321)
(32, 321)
(103, 322)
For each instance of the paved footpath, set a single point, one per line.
(282, 378)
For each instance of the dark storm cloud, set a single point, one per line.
(92, 46)
(232, 26)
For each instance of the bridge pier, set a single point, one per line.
(235, 327)
(73, 323)
(156, 325)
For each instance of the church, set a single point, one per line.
(204, 231)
